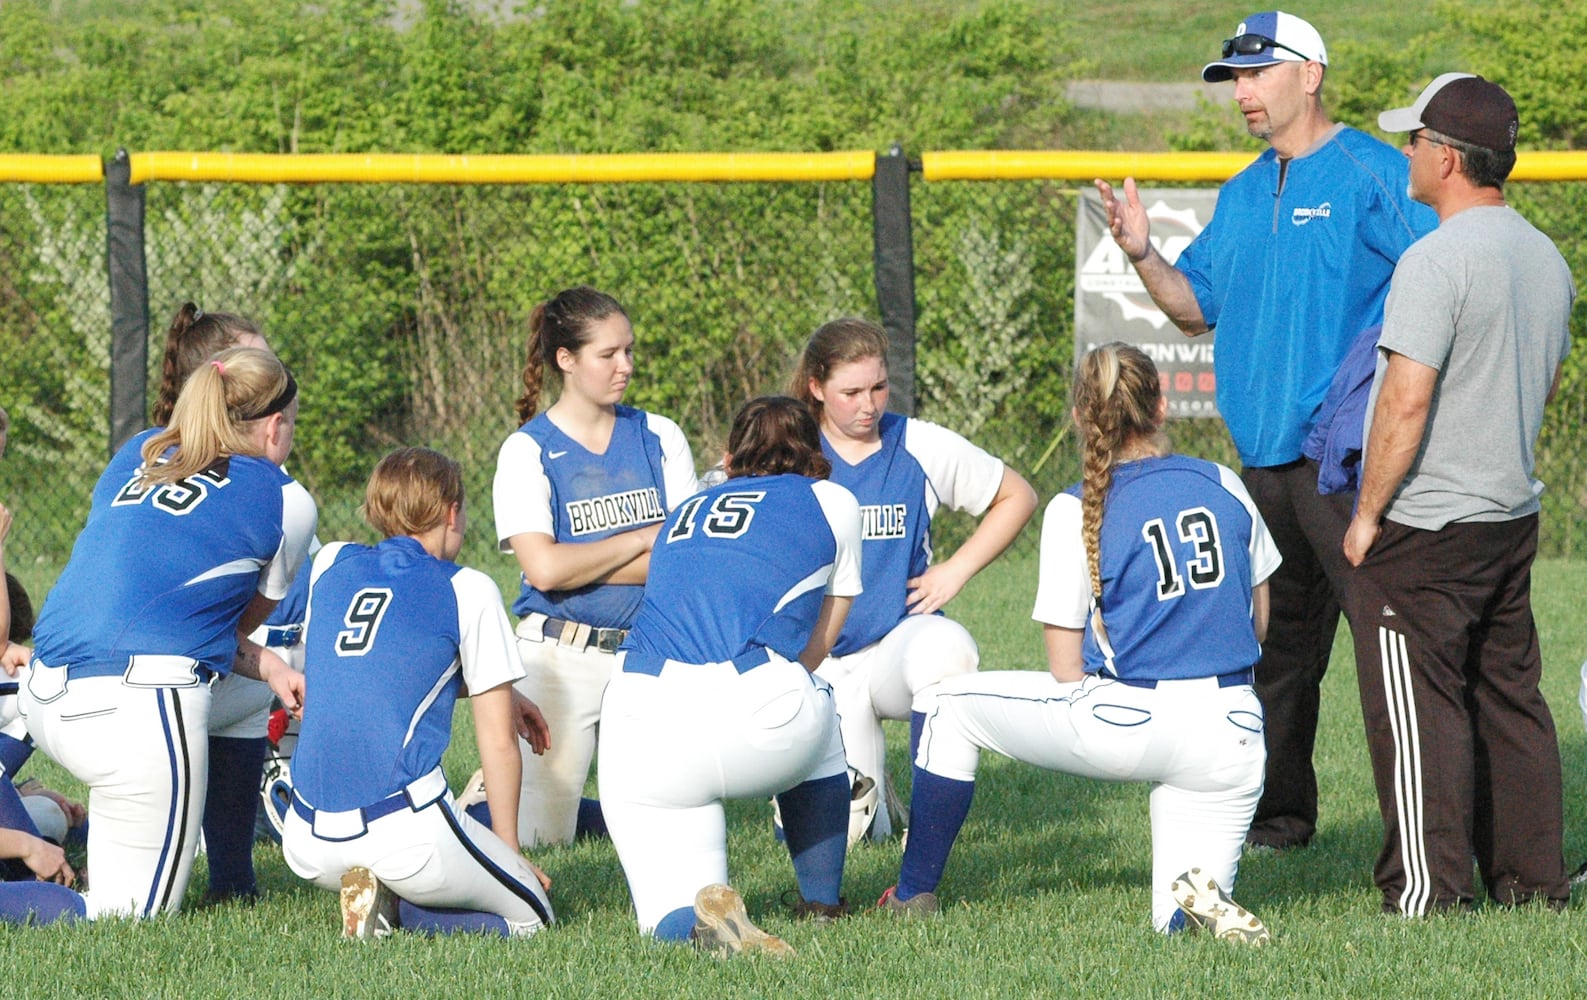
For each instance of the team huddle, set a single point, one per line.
(745, 632)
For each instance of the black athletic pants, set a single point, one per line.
(1306, 596)
(1463, 746)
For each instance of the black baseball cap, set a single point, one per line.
(1464, 107)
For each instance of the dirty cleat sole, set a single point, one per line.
(369, 908)
(1206, 905)
(722, 926)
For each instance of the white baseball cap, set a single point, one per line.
(1264, 39)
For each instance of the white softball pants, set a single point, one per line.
(142, 748)
(889, 679)
(435, 856)
(1200, 745)
(566, 683)
(673, 746)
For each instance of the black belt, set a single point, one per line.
(567, 633)
(1246, 676)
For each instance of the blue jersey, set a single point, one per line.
(1182, 546)
(548, 483)
(392, 637)
(1294, 264)
(742, 568)
(169, 570)
(899, 487)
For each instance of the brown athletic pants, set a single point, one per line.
(1463, 747)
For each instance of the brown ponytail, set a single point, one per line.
(564, 320)
(193, 337)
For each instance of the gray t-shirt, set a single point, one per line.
(1485, 299)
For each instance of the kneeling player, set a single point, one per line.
(395, 634)
(1150, 657)
(749, 584)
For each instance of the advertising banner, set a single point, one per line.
(1111, 304)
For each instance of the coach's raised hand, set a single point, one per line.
(1127, 220)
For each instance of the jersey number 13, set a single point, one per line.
(1197, 528)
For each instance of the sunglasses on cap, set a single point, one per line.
(1250, 45)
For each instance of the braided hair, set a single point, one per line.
(1117, 395)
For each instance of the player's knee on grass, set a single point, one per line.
(675, 926)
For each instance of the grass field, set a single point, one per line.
(1046, 894)
(1168, 42)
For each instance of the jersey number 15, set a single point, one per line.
(729, 516)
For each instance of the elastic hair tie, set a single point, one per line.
(219, 366)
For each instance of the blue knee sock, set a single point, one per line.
(676, 926)
(236, 767)
(917, 724)
(937, 810)
(480, 813)
(591, 821)
(815, 818)
(13, 814)
(39, 903)
(438, 920)
(14, 753)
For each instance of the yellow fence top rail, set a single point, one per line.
(389, 168)
(1007, 165)
(33, 168)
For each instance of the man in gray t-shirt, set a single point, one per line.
(1475, 329)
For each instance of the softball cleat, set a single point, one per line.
(722, 926)
(922, 904)
(1207, 906)
(369, 908)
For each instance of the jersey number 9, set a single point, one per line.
(362, 619)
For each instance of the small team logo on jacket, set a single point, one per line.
(616, 512)
(884, 520)
(1301, 216)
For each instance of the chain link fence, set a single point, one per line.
(55, 342)
(404, 309)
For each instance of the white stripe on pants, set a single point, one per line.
(1408, 800)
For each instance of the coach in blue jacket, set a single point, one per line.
(1294, 264)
